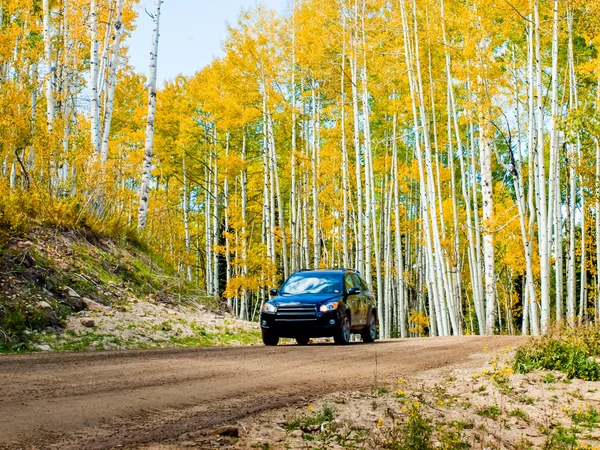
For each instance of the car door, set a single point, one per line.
(352, 301)
(364, 299)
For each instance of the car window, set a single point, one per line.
(360, 282)
(349, 282)
(312, 283)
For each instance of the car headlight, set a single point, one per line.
(328, 307)
(269, 307)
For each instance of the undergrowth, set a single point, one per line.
(572, 351)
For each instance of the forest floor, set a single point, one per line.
(318, 396)
(79, 290)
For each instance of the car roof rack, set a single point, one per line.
(329, 268)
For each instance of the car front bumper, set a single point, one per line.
(323, 325)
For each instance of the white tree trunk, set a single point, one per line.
(112, 78)
(94, 76)
(488, 236)
(186, 218)
(147, 165)
(542, 203)
(49, 68)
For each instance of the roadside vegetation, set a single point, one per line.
(572, 351)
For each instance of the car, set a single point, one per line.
(320, 303)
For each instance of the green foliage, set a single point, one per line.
(452, 440)
(492, 412)
(414, 434)
(560, 438)
(589, 418)
(570, 351)
(549, 378)
(326, 414)
(520, 414)
(18, 319)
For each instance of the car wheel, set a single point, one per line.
(269, 338)
(342, 336)
(369, 333)
(302, 340)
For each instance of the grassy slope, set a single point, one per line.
(39, 269)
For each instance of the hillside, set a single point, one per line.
(79, 290)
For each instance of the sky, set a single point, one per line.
(191, 33)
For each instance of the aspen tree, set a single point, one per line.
(361, 251)
(147, 165)
(315, 177)
(216, 217)
(293, 194)
(94, 77)
(111, 79)
(533, 302)
(554, 171)
(186, 215)
(49, 67)
(345, 168)
(541, 197)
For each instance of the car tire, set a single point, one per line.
(369, 333)
(342, 335)
(302, 340)
(269, 338)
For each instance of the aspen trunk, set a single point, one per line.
(345, 168)
(542, 202)
(244, 232)
(216, 218)
(401, 289)
(554, 172)
(94, 77)
(186, 218)
(488, 237)
(111, 80)
(49, 68)
(315, 177)
(295, 265)
(280, 206)
(360, 244)
(147, 165)
(226, 211)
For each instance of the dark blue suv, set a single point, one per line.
(320, 303)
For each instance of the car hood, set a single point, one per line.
(311, 299)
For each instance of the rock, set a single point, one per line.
(44, 348)
(310, 428)
(297, 433)
(92, 305)
(71, 292)
(89, 323)
(228, 431)
(44, 305)
(188, 444)
(76, 304)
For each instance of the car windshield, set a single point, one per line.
(312, 283)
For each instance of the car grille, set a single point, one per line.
(296, 313)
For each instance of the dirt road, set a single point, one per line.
(127, 399)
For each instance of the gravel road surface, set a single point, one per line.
(132, 398)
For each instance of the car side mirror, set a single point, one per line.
(273, 292)
(353, 291)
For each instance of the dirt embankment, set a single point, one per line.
(165, 397)
(78, 290)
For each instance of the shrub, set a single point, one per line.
(571, 351)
